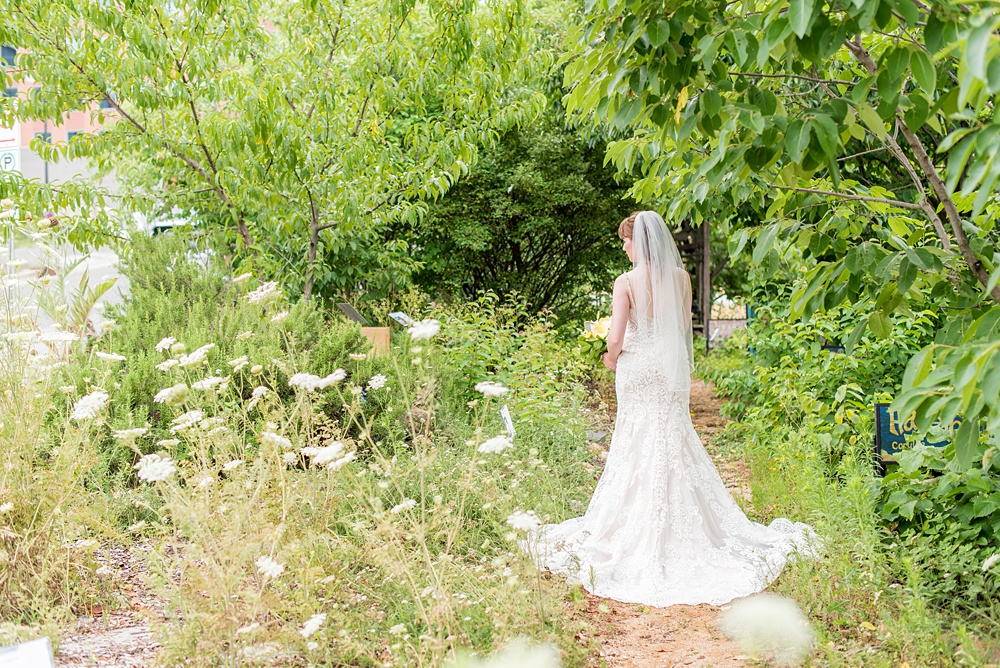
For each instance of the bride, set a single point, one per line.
(661, 528)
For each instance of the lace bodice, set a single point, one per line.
(662, 528)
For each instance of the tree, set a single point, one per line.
(294, 131)
(537, 217)
(862, 131)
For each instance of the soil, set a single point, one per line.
(118, 638)
(636, 636)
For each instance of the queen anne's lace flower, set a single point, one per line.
(342, 462)
(398, 629)
(491, 389)
(57, 337)
(172, 395)
(325, 455)
(377, 382)
(109, 357)
(275, 440)
(357, 357)
(89, 406)
(243, 278)
(425, 329)
(195, 357)
(129, 435)
(238, 363)
(408, 504)
(311, 382)
(155, 468)
(312, 624)
(165, 365)
(229, 466)
(208, 383)
(989, 563)
(495, 445)
(268, 567)
(265, 292)
(524, 521)
(278, 318)
(168, 443)
(186, 421)
(165, 344)
(6, 507)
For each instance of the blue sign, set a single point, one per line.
(891, 431)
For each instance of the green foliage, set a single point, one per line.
(294, 132)
(947, 520)
(860, 133)
(536, 218)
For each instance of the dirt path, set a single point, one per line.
(635, 636)
(116, 638)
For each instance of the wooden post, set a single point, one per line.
(706, 279)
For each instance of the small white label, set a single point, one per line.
(505, 414)
(401, 318)
(32, 654)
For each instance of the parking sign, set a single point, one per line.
(10, 160)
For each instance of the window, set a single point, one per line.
(71, 134)
(44, 136)
(105, 104)
(10, 92)
(8, 53)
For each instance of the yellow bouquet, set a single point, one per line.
(593, 339)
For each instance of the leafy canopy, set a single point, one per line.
(862, 132)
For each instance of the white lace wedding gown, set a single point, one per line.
(661, 528)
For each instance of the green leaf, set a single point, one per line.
(800, 15)
(764, 242)
(880, 325)
(923, 70)
(797, 140)
(976, 47)
(872, 121)
(966, 442)
(658, 31)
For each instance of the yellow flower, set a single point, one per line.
(601, 328)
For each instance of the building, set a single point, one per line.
(31, 165)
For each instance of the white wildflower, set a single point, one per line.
(6, 507)
(355, 390)
(357, 357)
(208, 383)
(377, 382)
(168, 443)
(256, 370)
(165, 365)
(495, 445)
(491, 389)
(165, 344)
(290, 458)
(398, 629)
(129, 435)
(524, 521)
(109, 357)
(266, 291)
(249, 627)
(89, 406)
(186, 421)
(57, 337)
(342, 462)
(278, 318)
(259, 392)
(312, 624)
(425, 329)
(243, 336)
(239, 363)
(138, 526)
(989, 563)
(195, 357)
(275, 440)
(305, 381)
(311, 646)
(769, 626)
(408, 504)
(22, 337)
(173, 395)
(268, 567)
(243, 278)
(204, 482)
(154, 468)
(335, 377)
(325, 455)
(229, 466)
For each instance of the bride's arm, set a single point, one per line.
(619, 318)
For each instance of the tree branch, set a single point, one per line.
(860, 198)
